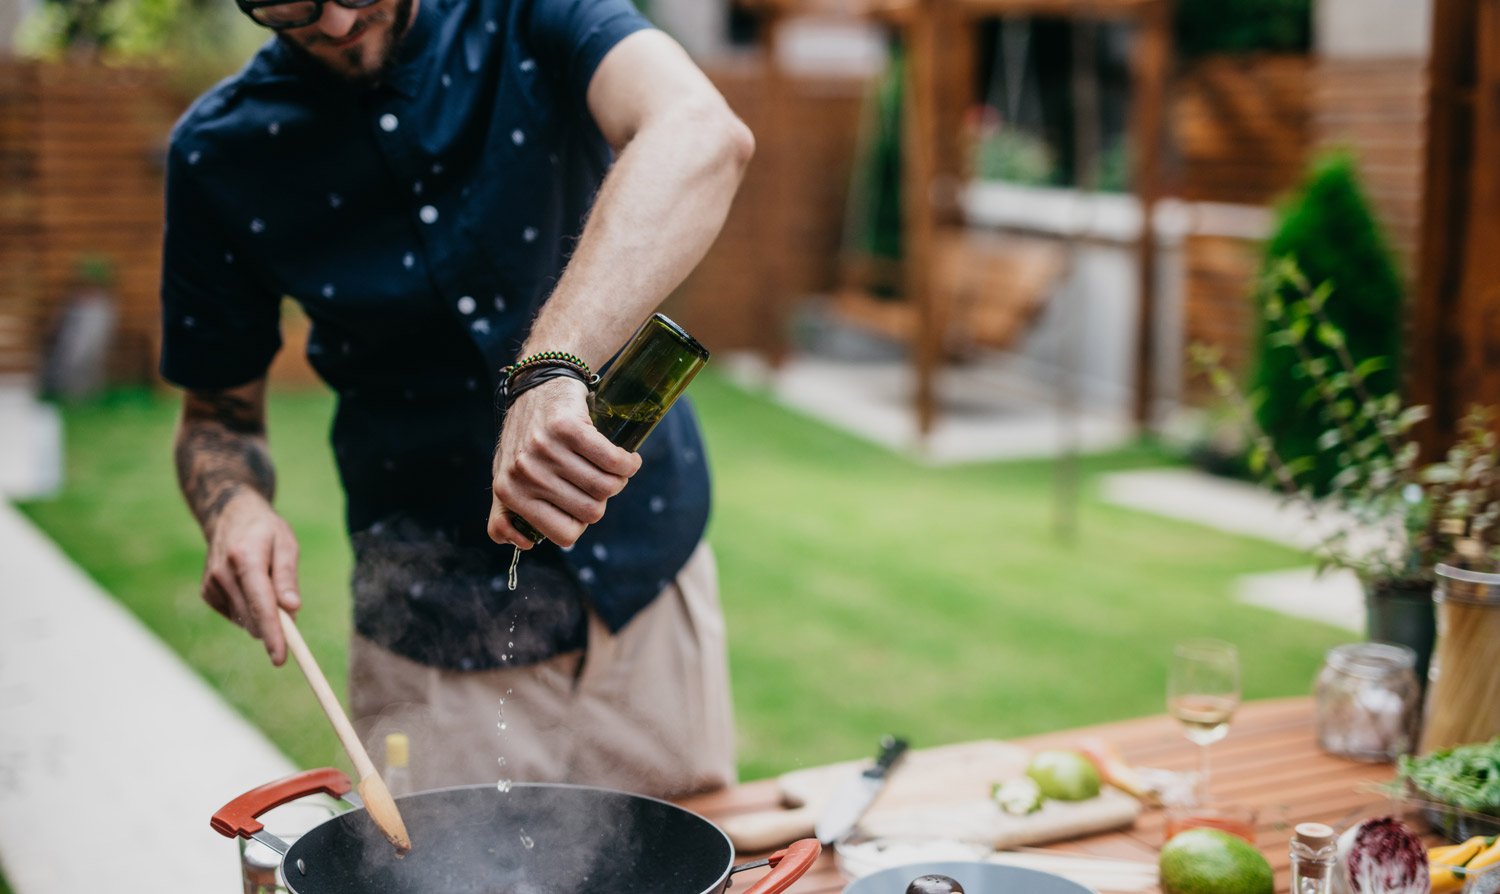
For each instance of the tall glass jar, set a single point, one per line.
(1463, 682)
(1368, 701)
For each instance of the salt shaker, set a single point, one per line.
(1313, 850)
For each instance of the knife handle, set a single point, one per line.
(769, 829)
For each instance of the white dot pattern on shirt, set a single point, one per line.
(600, 552)
(257, 225)
(517, 136)
(447, 81)
(335, 200)
(229, 257)
(416, 188)
(658, 504)
(194, 157)
(389, 122)
(529, 234)
(328, 290)
(466, 305)
(499, 304)
(408, 260)
(428, 214)
(188, 322)
(481, 326)
(491, 27)
(273, 128)
(586, 574)
(437, 167)
(528, 64)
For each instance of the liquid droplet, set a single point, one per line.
(515, 560)
(526, 841)
(503, 786)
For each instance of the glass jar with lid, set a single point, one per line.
(1369, 705)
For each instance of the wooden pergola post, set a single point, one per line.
(940, 61)
(1453, 358)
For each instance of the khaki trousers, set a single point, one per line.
(647, 710)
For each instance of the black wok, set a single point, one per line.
(532, 839)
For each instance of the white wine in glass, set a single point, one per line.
(1203, 689)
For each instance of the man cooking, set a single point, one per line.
(448, 188)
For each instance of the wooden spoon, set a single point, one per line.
(377, 798)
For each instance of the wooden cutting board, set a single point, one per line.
(934, 792)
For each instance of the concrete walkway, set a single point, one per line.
(1335, 598)
(113, 754)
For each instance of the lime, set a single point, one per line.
(1064, 775)
(1211, 861)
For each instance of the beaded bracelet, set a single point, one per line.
(548, 358)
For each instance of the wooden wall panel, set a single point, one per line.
(1239, 127)
(1377, 110)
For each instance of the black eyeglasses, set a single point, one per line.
(282, 14)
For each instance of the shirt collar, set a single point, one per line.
(405, 76)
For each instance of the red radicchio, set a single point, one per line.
(1382, 856)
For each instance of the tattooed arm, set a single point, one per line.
(225, 472)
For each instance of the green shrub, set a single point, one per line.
(1329, 233)
(1243, 26)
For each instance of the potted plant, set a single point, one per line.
(1385, 515)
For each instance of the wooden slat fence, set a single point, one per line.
(82, 146)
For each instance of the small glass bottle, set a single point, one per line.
(634, 394)
(397, 771)
(1312, 859)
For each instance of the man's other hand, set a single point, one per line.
(252, 569)
(553, 468)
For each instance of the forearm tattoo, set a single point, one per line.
(220, 450)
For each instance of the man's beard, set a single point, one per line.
(354, 74)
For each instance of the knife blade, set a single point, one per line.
(853, 796)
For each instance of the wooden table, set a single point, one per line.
(1270, 760)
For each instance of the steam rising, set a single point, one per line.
(539, 839)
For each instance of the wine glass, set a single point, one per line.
(1203, 689)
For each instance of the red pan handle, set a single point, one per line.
(788, 864)
(237, 819)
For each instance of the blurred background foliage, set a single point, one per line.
(1207, 27)
(198, 41)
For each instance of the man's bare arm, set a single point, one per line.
(225, 472)
(221, 450)
(682, 153)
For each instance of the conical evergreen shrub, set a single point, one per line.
(1329, 232)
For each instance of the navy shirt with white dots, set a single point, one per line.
(421, 224)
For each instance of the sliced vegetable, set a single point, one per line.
(1018, 796)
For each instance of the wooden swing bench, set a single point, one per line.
(988, 289)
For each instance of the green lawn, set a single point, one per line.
(864, 593)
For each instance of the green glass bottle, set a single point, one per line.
(650, 373)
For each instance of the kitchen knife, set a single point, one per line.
(853, 796)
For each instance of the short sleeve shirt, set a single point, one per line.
(421, 224)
